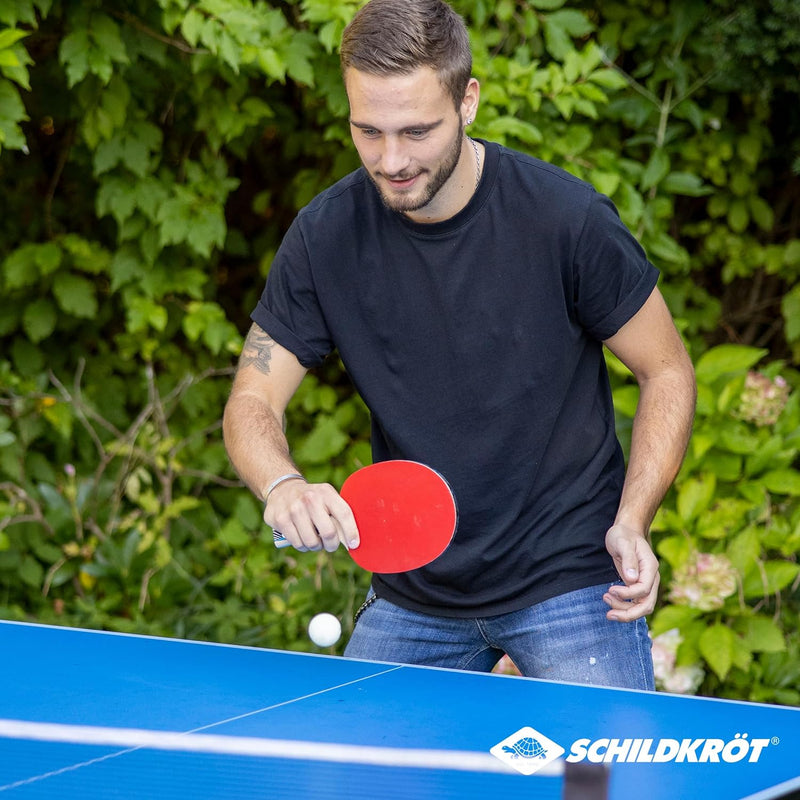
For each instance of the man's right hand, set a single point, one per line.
(311, 516)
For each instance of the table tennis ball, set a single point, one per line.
(324, 630)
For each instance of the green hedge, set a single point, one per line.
(153, 154)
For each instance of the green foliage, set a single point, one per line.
(132, 125)
(143, 532)
(155, 152)
(729, 532)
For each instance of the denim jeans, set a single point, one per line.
(566, 638)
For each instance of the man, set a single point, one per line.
(469, 290)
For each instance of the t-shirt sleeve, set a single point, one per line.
(289, 309)
(612, 276)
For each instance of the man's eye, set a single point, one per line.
(417, 133)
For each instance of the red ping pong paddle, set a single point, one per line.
(405, 513)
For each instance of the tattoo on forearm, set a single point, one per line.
(257, 351)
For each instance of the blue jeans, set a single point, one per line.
(566, 638)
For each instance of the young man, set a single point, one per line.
(469, 290)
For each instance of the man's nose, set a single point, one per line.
(394, 158)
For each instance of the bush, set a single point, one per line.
(153, 161)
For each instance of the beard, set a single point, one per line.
(404, 203)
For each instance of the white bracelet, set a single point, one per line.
(278, 481)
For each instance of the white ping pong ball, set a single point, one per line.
(324, 630)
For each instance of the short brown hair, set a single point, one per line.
(399, 36)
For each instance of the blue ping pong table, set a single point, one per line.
(85, 714)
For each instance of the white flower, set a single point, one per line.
(669, 678)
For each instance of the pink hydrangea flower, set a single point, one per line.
(703, 582)
(763, 399)
(669, 677)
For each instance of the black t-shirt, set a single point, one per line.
(476, 344)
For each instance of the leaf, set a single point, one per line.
(656, 170)
(31, 572)
(174, 218)
(12, 111)
(510, 126)
(762, 212)
(695, 496)
(198, 317)
(106, 35)
(75, 295)
(726, 466)
(769, 578)
(208, 229)
(325, 441)
(727, 358)
(107, 155)
(609, 78)
(547, 5)
(298, 60)
(191, 26)
(142, 313)
(73, 54)
(723, 519)
(232, 534)
(717, 645)
(782, 481)
(669, 617)
(685, 183)
(605, 182)
(10, 36)
(749, 149)
(762, 635)
(39, 319)
(674, 550)
(736, 438)
(48, 257)
(662, 246)
(557, 39)
(272, 64)
(125, 267)
(20, 268)
(790, 307)
(745, 550)
(230, 52)
(116, 196)
(738, 216)
(574, 22)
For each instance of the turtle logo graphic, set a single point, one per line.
(526, 747)
(527, 751)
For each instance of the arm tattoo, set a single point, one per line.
(257, 351)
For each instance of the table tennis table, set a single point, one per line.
(88, 714)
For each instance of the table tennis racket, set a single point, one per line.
(405, 513)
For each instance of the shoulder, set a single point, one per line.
(535, 172)
(534, 186)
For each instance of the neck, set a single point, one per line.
(458, 191)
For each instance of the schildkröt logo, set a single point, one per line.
(527, 750)
(530, 751)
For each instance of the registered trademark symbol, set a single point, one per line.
(775, 740)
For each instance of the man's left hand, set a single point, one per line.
(638, 567)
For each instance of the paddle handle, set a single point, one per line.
(280, 540)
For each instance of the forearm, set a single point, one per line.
(256, 443)
(661, 430)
